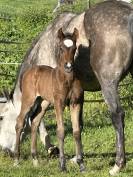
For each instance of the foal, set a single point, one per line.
(53, 86)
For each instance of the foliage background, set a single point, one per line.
(25, 19)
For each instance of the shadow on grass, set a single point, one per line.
(129, 156)
(68, 127)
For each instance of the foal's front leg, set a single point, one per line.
(75, 117)
(58, 103)
(76, 109)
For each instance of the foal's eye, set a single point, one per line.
(74, 48)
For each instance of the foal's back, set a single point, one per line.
(39, 81)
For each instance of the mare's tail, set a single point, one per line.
(31, 114)
(130, 24)
(130, 28)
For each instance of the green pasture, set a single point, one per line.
(25, 19)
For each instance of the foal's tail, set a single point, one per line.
(33, 110)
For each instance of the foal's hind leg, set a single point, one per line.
(19, 127)
(34, 126)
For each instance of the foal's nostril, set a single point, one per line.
(68, 67)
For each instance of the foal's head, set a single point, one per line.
(67, 48)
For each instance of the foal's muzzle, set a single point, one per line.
(68, 67)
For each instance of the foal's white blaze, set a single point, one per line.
(69, 65)
(68, 42)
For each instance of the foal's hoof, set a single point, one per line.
(74, 160)
(35, 163)
(115, 170)
(16, 163)
(53, 151)
(63, 169)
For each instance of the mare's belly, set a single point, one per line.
(84, 70)
(90, 84)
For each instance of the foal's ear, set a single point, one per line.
(61, 34)
(76, 34)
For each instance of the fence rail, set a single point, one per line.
(129, 97)
(5, 18)
(11, 51)
(13, 63)
(4, 41)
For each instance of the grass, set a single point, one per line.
(28, 18)
(99, 148)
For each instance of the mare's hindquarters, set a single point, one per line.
(107, 27)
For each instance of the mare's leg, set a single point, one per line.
(76, 108)
(110, 93)
(34, 126)
(45, 138)
(59, 106)
(109, 75)
(19, 127)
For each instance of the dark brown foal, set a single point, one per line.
(54, 86)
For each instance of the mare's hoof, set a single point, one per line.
(115, 170)
(82, 168)
(74, 160)
(16, 163)
(35, 163)
(81, 165)
(63, 169)
(53, 151)
(8, 152)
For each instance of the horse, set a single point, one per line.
(91, 36)
(55, 86)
